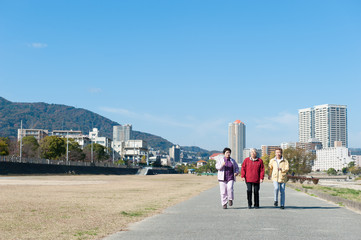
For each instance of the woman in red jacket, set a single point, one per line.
(253, 172)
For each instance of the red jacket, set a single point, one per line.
(252, 171)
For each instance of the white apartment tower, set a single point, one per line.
(122, 133)
(174, 153)
(327, 123)
(306, 123)
(237, 140)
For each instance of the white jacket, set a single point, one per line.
(220, 168)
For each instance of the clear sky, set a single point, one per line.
(184, 69)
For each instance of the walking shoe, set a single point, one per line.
(282, 207)
(230, 202)
(225, 206)
(249, 206)
(276, 204)
(256, 207)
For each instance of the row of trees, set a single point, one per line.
(210, 167)
(351, 168)
(300, 160)
(53, 147)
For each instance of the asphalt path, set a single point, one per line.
(202, 217)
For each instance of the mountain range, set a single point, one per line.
(61, 117)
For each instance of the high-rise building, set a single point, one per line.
(237, 139)
(327, 123)
(122, 133)
(174, 154)
(306, 123)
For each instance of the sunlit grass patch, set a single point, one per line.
(85, 234)
(132, 213)
(347, 193)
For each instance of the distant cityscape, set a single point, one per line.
(123, 146)
(322, 130)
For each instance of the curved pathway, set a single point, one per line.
(202, 217)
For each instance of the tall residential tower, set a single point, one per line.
(327, 123)
(122, 133)
(237, 140)
(306, 124)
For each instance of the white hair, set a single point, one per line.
(253, 150)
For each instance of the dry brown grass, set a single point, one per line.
(87, 207)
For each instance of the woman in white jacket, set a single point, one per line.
(227, 172)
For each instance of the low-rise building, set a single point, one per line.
(37, 133)
(286, 145)
(95, 137)
(201, 163)
(66, 133)
(268, 149)
(357, 159)
(215, 156)
(165, 160)
(336, 157)
(311, 146)
(135, 150)
(82, 140)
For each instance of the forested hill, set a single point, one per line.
(62, 117)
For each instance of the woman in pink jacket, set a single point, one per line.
(227, 172)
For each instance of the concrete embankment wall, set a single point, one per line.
(154, 171)
(32, 168)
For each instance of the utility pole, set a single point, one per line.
(21, 138)
(113, 151)
(91, 153)
(91, 142)
(133, 152)
(67, 146)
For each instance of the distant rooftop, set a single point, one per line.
(238, 122)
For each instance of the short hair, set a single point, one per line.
(226, 149)
(279, 149)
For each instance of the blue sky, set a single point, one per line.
(184, 69)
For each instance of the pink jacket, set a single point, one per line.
(220, 169)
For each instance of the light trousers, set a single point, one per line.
(279, 187)
(226, 191)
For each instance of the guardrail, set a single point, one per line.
(302, 179)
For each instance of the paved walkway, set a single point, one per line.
(202, 217)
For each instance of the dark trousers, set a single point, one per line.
(256, 187)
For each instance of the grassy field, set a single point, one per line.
(88, 207)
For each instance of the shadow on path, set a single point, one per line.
(286, 207)
(202, 217)
(310, 207)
